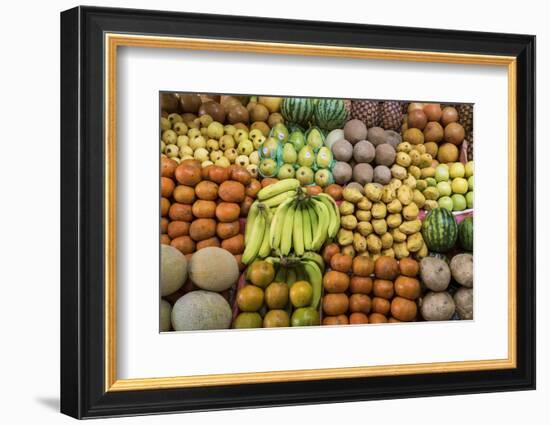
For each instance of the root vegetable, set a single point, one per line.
(464, 302)
(437, 306)
(435, 273)
(462, 269)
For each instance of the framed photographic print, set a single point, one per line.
(261, 212)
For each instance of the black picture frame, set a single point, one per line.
(82, 212)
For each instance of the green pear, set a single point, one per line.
(315, 138)
(286, 172)
(280, 132)
(306, 156)
(323, 177)
(324, 157)
(298, 139)
(304, 175)
(268, 167)
(290, 156)
(269, 148)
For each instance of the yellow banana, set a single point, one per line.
(255, 240)
(277, 188)
(265, 249)
(321, 234)
(306, 223)
(286, 237)
(277, 200)
(277, 223)
(334, 224)
(298, 232)
(315, 278)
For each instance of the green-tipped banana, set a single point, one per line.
(334, 211)
(278, 188)
(322, 229)
(265, 248)
(250, 219)
(277, 223)
(298, 232)
(288, 224)
(316, 258)
(306, 224)
(277, 200)
(314, 220)
(252, 249)
(315, 278)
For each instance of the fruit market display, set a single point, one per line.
(289, 211)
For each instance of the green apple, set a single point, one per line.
(445, 202)
(470, 199)
(269, 148)
(286, 172)
(306, 156)
(469, 169)
(290, 156)
(268, 167)
(444, 188)
(245, 147)
(324, 157)
(304, 175)
(323, 177)
(298, 139)
(280, 132)
(315, 138)
(456, 170)
(441, 173)
(471, 183)
(459, 202)
(459, 185)
(431, 181)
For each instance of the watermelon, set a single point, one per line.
(330, 113)
(297, 110)
(466, 233)
(439, 230)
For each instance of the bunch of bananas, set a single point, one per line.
(285, 219)
(309, 267)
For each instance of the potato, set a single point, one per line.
(344, 237)
(422, 252)
(418, 198)
(398, 235)
(227, 212)
(405, 195)
(231, 191)
(400, 249)
(394, 206)
(464, 302)
(202, 228)
(437, 306)
(373, 192)
(363, 215)
(411, 227)
(213, 241)
(415, 242)
(352, 195)
(380, 226)
(184, 194)
(184, 244)
(388, 253)
(364, 228)
(387, 240)
(374, 244)
(398, 172)
(180, 212)
(207, 191)
(364, 204)
(178, 228)
(235, 244)
(204, 209)
(228, 230)
(379, 210)
(410, 212)
(394, 220)
(349, 250)
(388, 194)
(435, 273)
(410, 181)
(359, 242)
(462, 269)
(346, 208)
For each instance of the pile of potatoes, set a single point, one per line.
(200, 207)
(362, 290)
(382, 222)
(443, 300)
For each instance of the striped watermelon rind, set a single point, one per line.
(439, 230)
(330, 114)
(466, 234)
(297, 111)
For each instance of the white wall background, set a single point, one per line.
(29, 213)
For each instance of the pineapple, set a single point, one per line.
(466, 117)
(347, 105)
(469, 149)
(391, 115)
(367, 111)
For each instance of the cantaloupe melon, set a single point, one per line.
(213, 269)
(201, 310)
(173, 270)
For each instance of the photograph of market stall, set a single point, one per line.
(287, 211)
